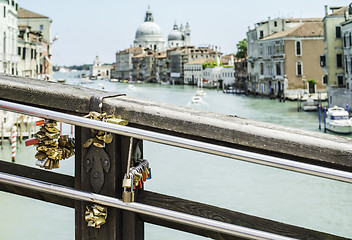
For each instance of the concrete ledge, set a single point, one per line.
(313, 147)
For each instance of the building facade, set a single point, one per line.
(149, 35)
(100, 71)
(34, 45)
(124, 65)
(287, 61)
(8, 37)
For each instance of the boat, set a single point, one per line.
(201, 92)
(338, 120)
(61, 80)
(196, 99)
(310, 105)
(114, 80)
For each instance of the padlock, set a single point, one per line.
(126, 182)
(126, 195)
(31, 141)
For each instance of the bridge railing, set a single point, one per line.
(230, 136)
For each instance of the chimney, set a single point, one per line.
(269, 33)
(347, 15)
(326, 10)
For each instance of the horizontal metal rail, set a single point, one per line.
(161, 213)
(181, 142)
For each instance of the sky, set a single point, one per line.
(87, 28)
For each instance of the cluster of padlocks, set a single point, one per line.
(95, 215)
(101, 138)
(135, 179)
(50, 146)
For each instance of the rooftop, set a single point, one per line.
(23, 13)
(308, 29)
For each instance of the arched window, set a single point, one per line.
(298, 48)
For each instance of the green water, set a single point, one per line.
(284, 196)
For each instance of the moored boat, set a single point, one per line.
(338, 120)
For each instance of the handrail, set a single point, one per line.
(161, 213)
(181, 142)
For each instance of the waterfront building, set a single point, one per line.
(34, 43)
(193, 71)
(166, 62)
(177, 57)
(219, 75)
(29, 51)
(241, 74)
(282, 57)
(8, 37)
(149, 35)
(101, 71)
(337, 56)
(161, 67)
(144, 66)
(37, 22)
(124, 65)
(179, 37)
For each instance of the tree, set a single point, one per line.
(241, 49)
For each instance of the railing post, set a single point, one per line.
(119, 224)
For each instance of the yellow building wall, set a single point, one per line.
(332, 47)
(310, 58)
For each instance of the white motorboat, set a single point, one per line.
(338, 120)
(196, 99)
(201, 92)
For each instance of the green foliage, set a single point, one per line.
(241, 48)
(312, 81)
(210, 64)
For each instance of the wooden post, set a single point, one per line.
(119, 224)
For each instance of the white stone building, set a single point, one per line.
(179, 37)
(193, 71)
(149, 35)
(37, 22)
(100, 71)
(8, 37)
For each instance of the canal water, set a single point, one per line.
(293, 198)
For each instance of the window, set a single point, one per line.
(24, 53)
(261, 68)
(19, 51)
(32, 53)
(350, 39)
(299, 68)
(340, 80)
(338, 31)
(322, 61)
(275, 23)
(261, 34)
(4, 12)
(278, 68)
(339, 60)
(298, 48)
(344, 40)
(41, 27)
(325, 79)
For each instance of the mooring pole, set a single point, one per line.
(319, 109)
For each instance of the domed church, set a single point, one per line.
(149, 34)
(179, 37)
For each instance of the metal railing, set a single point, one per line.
(181, 142)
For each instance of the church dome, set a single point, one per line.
(149, 29)
(175, 35)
